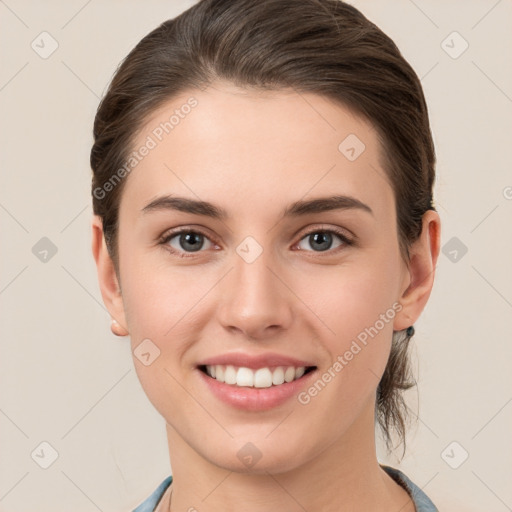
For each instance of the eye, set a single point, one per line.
(186, 241)
(322, 239)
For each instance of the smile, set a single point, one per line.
(264, 377)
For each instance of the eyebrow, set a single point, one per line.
(296, 209)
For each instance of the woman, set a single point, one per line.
(265, 233)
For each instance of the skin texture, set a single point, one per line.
(254, 153)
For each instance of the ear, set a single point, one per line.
(419, 277)
(107, 278)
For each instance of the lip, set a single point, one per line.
(269, 359)
(256, 399)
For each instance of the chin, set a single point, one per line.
(259, 456)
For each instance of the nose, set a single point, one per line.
(255, 300)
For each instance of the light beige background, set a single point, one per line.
(66, 380)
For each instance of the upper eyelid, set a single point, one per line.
(324, 227)
(167, 235)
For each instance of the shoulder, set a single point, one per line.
(421, 501)
(150, 503)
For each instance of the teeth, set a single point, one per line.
(278, 376)
(244, 377)
(230, 375)
(260, 378)
(289, 374)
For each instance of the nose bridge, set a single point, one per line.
(254, 298)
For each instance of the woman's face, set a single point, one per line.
(280, 279)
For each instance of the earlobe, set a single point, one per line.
(107, 279)
(420, 277)
(117, 328)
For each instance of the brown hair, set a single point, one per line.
(321, 46)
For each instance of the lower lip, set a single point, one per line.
(255, 399)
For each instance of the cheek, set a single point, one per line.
(164, 313)
(352, 297)
(357, 307)
(357, 304)
(161, 317)
(156, 298)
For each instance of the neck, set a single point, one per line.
(345, 476)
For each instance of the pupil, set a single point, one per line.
(194, 239)
(323, 239)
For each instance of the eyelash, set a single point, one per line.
(164, 240)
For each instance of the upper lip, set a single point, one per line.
(255, 361)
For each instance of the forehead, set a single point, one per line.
(246, 146)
